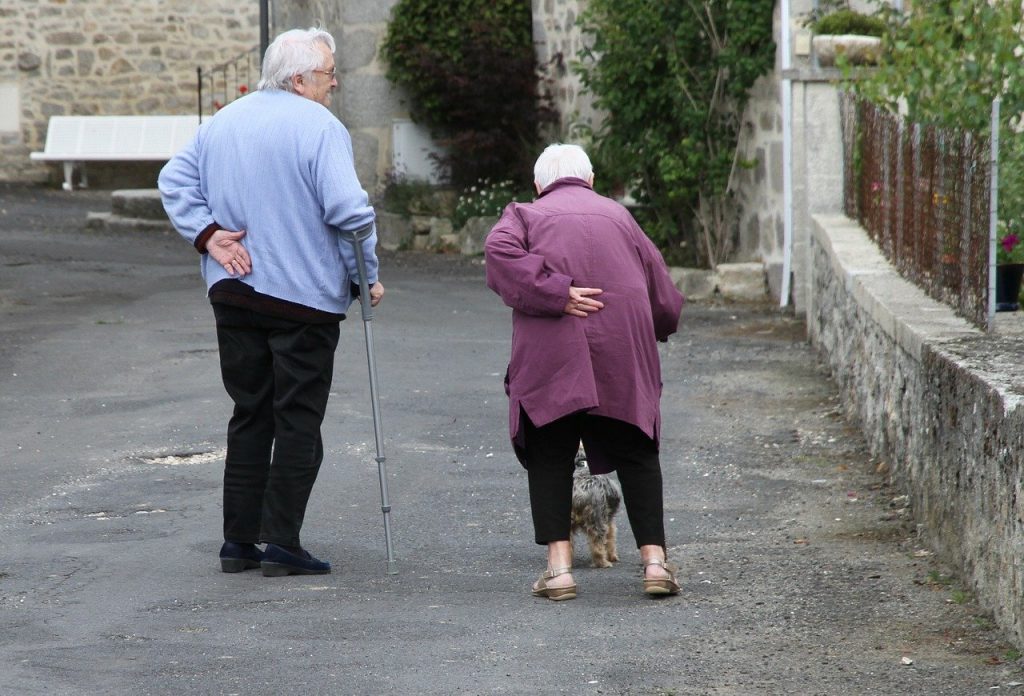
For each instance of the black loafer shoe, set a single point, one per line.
(234, 558)
(277, 562)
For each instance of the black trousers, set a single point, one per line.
(278, 373)
(550, 456)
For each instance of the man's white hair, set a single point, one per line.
(559, 161)
(293, 52)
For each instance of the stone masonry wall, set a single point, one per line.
(558, 41)
(759, 187)
(937, 402)
(816, 156)
(105, 57)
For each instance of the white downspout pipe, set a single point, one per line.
(993, 213)
(787, 158)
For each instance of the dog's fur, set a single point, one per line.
(595, 500)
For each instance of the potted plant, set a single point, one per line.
(1009, 267)
(840, 30)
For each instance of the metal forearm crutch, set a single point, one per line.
(357, 238)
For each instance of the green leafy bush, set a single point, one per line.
(673, 80)
(470, 70)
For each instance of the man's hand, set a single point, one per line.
(376, 293)
(225, 248)
(581, 302)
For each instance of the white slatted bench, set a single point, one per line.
(75, 140)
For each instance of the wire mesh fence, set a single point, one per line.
(922, 193)
(222, 84)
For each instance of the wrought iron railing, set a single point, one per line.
(222, 84)
(922, 193)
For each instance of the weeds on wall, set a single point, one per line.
(470, 71)
(673, 79)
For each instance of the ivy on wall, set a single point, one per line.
(673, 79)
(470, 71)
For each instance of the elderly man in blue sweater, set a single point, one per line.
(266, 193)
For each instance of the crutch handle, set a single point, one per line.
(360, 235)
(356, 239)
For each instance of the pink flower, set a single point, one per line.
(1009, 242)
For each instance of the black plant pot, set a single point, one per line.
(1008, 277)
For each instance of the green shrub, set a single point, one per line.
(470, 70)
(673, 80)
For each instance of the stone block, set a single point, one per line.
(694, 283)
(367, 12)
(108, 222)
(773, 273)
(421, 224)
(439, 227)
(742, 281)
(474, 233)
(364, 98)
(448, 242)
(393, 231)
(421, 242)
(360, 48)
(143, 204)
(365, 149)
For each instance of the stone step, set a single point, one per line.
(744, 282)
(142, 204)
(108, 222)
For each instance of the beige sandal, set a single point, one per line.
(541, 589)
(661, 586)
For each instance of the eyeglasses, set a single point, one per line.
(329, 73)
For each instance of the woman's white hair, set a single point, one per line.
(293, 52)
(559, 161)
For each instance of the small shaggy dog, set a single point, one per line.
(595, 500)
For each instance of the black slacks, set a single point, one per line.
(278, 373)
(550, 456)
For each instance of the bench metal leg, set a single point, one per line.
(69, 171)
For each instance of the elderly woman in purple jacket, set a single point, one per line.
(591, 296)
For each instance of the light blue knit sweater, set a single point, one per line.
(280, 167)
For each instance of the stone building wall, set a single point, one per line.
(817, 163)
(366, 102)
(558, 41)
(105, 57)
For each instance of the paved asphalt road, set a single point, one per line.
(801, 570)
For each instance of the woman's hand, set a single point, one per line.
(581, 301)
